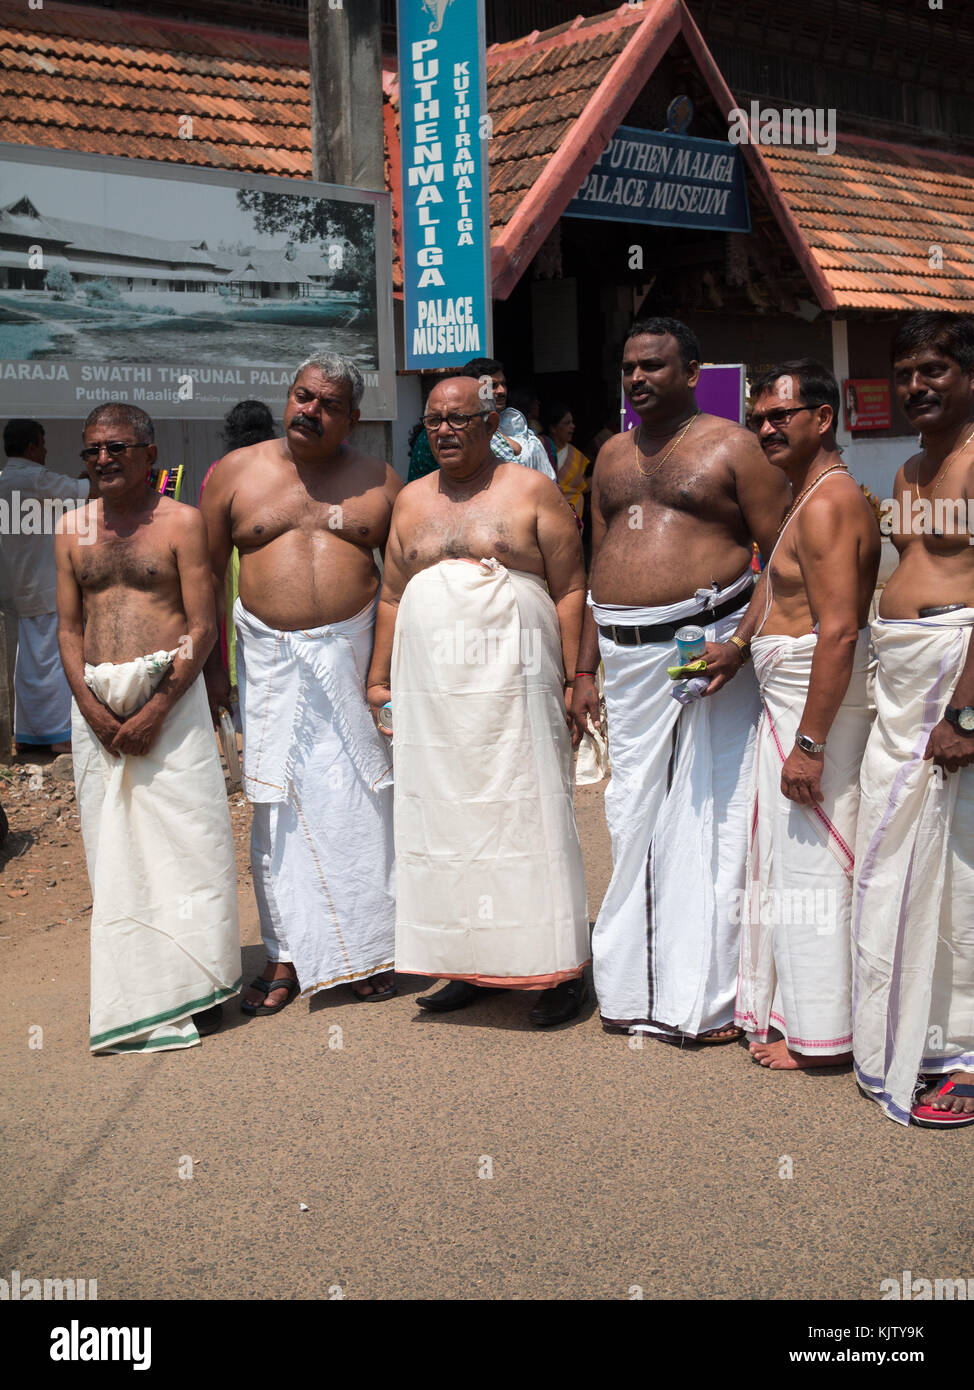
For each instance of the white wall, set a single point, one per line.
(875, 461)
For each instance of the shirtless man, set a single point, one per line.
(913, 947)
(478, 623)
(675, 505)
(808, 633)
(307, 513)
(136, 621)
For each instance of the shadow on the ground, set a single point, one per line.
(15, 846)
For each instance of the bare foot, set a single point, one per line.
(960, 1105)
(778, 1056)
(273, 970)
(61, 747)
(382, 985)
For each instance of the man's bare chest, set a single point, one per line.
(696, 489)
(125, 562)
(361, 519)
(464, 532)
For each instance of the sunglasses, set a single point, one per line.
(115, 447)
(775, 418)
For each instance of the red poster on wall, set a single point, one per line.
(867, 404)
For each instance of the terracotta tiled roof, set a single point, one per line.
(118, 83)
(875, 215)
(536, 93)
(860, 222)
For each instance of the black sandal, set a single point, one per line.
(266, 987)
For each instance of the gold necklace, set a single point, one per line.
(658, 466)
(942, 471)
(835, 468)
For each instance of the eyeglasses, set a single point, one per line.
(776, 418)
(455, 420)
(116, 448)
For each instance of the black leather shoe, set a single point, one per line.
(455, 995)
(209, 1021)
(558, 1004)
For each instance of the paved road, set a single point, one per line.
(611, 1167)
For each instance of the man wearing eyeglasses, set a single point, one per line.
(307, 513)
(913, 930)
(136, 622)
(807, 630)
(478, 624)
(676, 504)
(30, 490)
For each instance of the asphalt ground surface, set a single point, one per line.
(454, 1157)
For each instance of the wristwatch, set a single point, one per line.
(808, 745)
(743, 647)
(962, 719)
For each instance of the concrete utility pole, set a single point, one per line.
(345, 38)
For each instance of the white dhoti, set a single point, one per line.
(490, 883)
(157, 836)
(665, 946)
(318, 774)
(42, 696)
(796, 956)
(913, 915)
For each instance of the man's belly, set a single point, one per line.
(299, 581)
(922, 580)
(649, 572)
(121, 627)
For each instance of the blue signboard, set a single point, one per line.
(444, 130)
(668, 180)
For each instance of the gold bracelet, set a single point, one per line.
(743, 647)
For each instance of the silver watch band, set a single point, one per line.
(808, 745)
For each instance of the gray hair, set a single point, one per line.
(121, 413)
(338, 369)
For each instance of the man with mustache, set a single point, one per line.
(913, 943)
(675, 505)
(478, 624)
(307, 513)
(135, 623)
(809, 638)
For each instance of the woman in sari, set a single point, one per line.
(572, 464)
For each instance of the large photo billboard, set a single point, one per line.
(183, 290)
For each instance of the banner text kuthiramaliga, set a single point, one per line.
(444, 131)
(666, 180)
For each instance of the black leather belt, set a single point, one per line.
(666, 632)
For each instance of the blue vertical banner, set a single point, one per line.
(444, 132)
